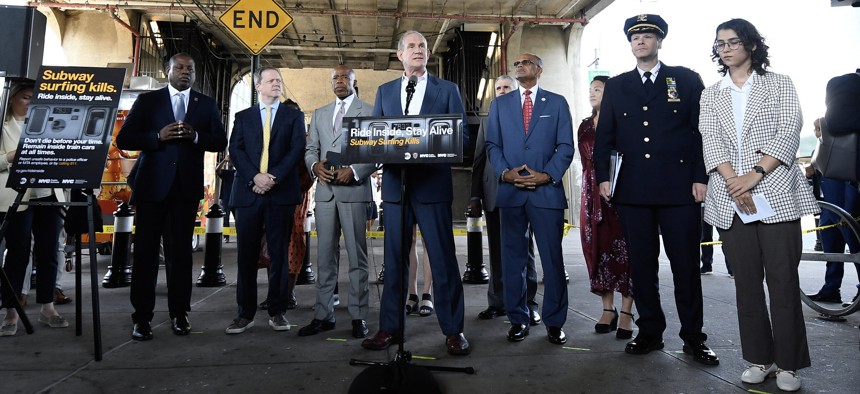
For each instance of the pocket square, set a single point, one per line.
(546, 116)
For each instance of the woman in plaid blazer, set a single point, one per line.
(750, 123)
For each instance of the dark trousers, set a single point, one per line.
(708, 250)
(495, 290)
(436, 230)
(548, 225)
(43, 224)
(679, 226)
(172, 219)
(768, 251)
(834, 240)
(278, 222)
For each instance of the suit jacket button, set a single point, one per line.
(625, 114)
(647, 155)
(682, 161)
(645, 108)
(645, 123)
(646, 139)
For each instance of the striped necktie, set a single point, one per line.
(527, 110)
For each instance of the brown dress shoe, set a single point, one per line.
(60, 298)
(457, 345)
(381, 341)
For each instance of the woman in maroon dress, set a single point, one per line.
(602, 241)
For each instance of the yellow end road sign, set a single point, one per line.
(256, 23)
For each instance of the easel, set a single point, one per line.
(91, 201)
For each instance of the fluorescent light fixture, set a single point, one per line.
(481, 87)
(153, 25)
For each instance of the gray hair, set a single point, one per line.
(258, 74)
(539, 60)
(509, 79)
(401, 44)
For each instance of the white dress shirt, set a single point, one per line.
(417, 97)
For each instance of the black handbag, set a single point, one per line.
(76, 217)
(836, 155)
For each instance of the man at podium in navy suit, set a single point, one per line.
(430, 194)
(172, 128)
(530, 143)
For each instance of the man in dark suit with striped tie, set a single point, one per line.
(172, 127)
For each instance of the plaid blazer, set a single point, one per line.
(772, 124)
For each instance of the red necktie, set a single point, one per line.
(527, 110)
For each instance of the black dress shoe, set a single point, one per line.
(316, 327)
(518, 332)
(359, 329)
(534, 317)
(181, 325)
(457, 345)
(265, 304)
(556, 335)
(643, 345)
(490, 313)
(701, 353)
(142, 332)
(818, 297)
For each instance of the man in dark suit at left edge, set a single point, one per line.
(172, 128)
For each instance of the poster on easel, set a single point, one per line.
(68, 128)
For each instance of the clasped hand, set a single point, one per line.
(178, 130)
(263, 182)
(529, 180)
(340, 176)
(739, 187)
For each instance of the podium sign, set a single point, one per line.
(65, 139)
(401, 140)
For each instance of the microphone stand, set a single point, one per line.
(400, 375)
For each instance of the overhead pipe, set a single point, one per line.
(504, 50)
(136, 56)
(157, 6)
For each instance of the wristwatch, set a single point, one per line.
(760, 170)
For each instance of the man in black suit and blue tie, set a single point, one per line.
(267, 142)
(430, 196)
(650, 115)
(530, 143)
(172, 127)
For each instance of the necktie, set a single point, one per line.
(179, 107)
(267, 133)
(649, 84)
(527, 110)
(338, 119)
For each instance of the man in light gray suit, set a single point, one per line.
(485, 184)
(342, 195)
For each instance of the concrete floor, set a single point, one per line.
(264, 361)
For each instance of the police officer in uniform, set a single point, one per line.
(650, 116)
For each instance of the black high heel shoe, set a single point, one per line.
(623, 333)
(602, 328)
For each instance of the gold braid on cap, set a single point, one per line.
(642, 26)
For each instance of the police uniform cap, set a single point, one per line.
(646, 23)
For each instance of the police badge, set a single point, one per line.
(672, 90)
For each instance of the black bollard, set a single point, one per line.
(476, 272)
(119, 273)
(212, 274)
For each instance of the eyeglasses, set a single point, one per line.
(733, 44)
(524, 62)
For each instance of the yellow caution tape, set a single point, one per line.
(576, 348)
(423, 357)
(336, 339)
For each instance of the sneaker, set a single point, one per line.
(757, 373)
(336, 300)
(705, 270)
(56, 321)
(8, 328)
(787, 380)
(279, 323)
(239, 326)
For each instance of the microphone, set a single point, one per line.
(410, 90)
(410, 86)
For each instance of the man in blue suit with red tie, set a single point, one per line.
(172, 127)
(267, 141)
(430, 194)
(530, 143)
